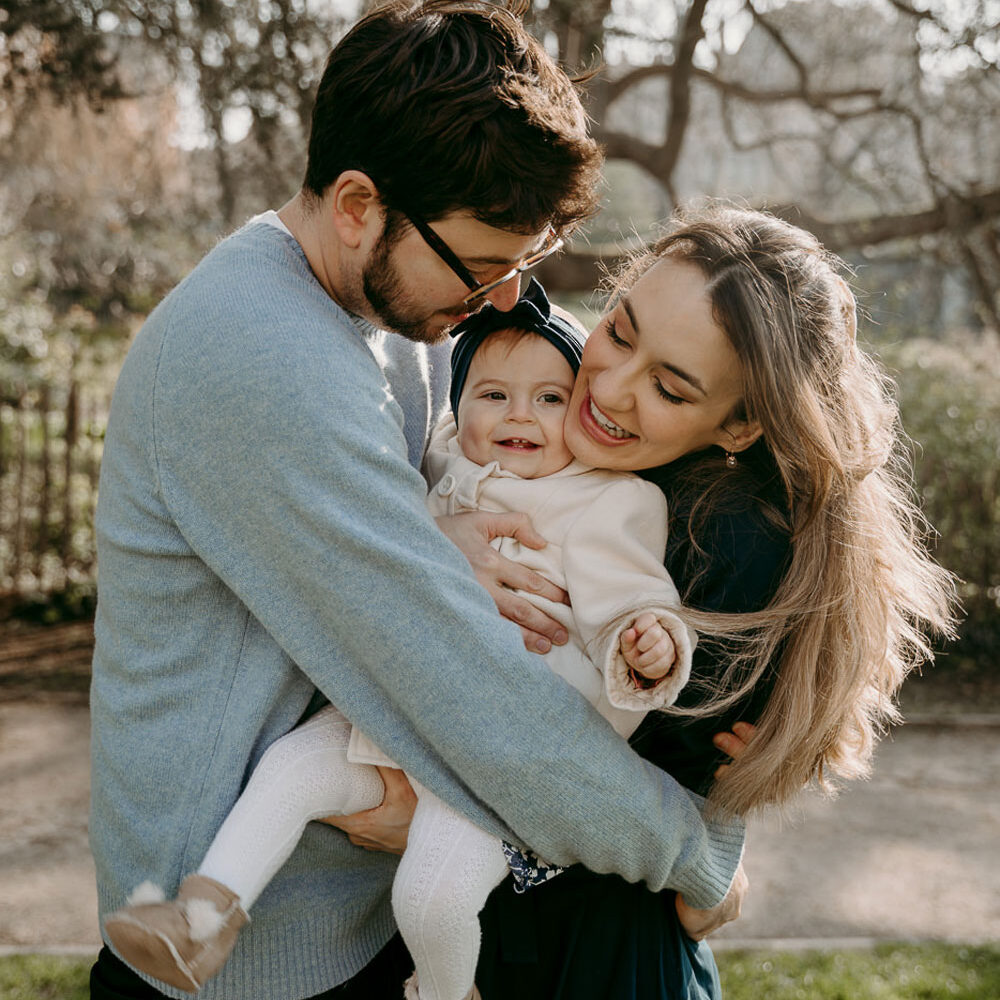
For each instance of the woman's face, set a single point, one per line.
(658, 378)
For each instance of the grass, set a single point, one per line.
(887, 972)
(44, 977)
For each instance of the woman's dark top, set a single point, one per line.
(583, 936)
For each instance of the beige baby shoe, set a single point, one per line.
(412, 992)
(183, 942)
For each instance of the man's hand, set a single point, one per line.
(699, 924)
(648, 649)
(472, 532)
(386, 827)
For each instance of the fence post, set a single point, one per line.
(66, 548)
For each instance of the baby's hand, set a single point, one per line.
(648, 650)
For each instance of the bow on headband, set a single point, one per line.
(532, 313)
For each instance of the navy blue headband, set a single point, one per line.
(531, 313)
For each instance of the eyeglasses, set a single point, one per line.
(479, 290)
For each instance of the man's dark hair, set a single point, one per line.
(451, 105)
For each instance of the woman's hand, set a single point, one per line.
(386, 827)
(733, 743)
(472, 532)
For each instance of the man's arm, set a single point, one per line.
(472, 532)
(288, 477)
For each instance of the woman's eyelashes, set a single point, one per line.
(613, 334)
(666, 394)
(617, 339)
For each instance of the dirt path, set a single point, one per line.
(910, 854)
(47, 894)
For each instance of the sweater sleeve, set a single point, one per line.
(613, 559)
(285, 469)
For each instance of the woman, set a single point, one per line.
(727, 371)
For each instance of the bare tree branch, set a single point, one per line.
(950, 213)
(779, 39)
(814, 98)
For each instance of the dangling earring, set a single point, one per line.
(730, 460)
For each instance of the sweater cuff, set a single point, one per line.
(618, 685)
(708, 881)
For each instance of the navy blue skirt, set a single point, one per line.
(583, 936)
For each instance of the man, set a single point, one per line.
(262, 533)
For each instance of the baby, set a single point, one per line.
(628, 652)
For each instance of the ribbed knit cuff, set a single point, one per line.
(709, 881)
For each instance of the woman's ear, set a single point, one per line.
(355, 208)
(738, 435)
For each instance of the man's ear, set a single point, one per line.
(738, 435)
(355, 208)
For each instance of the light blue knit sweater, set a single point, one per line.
(262, 534)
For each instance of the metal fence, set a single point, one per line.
(51, 439)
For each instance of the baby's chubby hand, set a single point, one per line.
(648, 650)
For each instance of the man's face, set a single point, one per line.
(414, 292)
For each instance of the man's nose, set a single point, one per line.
(506, 295)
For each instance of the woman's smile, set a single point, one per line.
(598, 424)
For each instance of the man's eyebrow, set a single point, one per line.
(505, 261)
(692, 380)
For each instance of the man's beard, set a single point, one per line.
(383, 288)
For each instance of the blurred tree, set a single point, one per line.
(868, 123)
(133, 133)
(245, 69)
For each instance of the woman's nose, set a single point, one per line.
(612, 387)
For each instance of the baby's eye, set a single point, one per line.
(495, 394)
(552, 397)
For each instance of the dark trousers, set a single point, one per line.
(381, 979)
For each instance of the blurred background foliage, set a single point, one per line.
(133, 135)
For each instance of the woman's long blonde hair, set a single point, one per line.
(860, 593)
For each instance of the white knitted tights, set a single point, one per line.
(301, 777)
(449, 868)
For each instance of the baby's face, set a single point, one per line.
(513, 405)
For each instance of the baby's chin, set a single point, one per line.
(538, 472)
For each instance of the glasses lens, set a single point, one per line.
(536, 258)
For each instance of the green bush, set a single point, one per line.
(949, 396)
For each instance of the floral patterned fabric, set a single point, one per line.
(528, 868)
